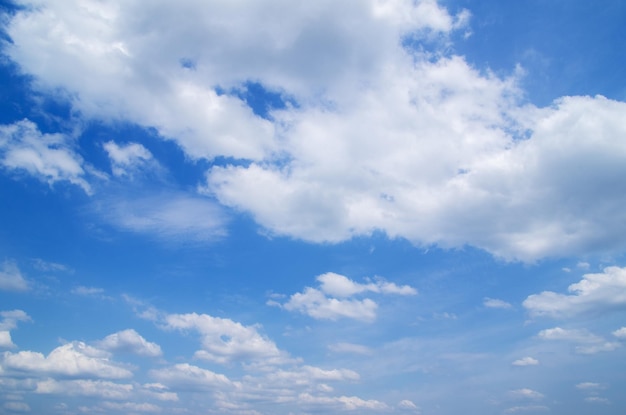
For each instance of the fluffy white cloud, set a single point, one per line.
(185, 376)
(126, 158)
(224, 340)
(341, 402)
(341, 286)
(11, 318)
(593, 293)
(11, 278)
(415, 143)
(129, 341)
(407, 404)
(71, 359)
(526, 361)
(5, 340)
(49, 157)
(620, 333)
(495, 303)
(322, 304)
(307, 375)
(588, 343)
(317, 305)
(85, 387)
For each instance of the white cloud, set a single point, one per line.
(588, 343)
(11, 318)
(129, 341)
(527, 408)
(169, 215)
(224, 340)
(620, 333)
(126, 158)
(526, 393)
(341, 286)
(185, 376)
(322, 304)
(590, 386)
(307, 375)
(417, 144)
(495, 303)
(49, 157)
(343, 402)
(407, 404)
(593, 293)
(11, 278)
(5, 340)
(350, 348)
(526, 361)
(85, 387)
(317, 305)
(71, 359)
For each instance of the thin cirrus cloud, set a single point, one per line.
(585, 342)
(11, 278)
(333, 298)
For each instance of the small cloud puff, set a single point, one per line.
(11, 278)
(130, 341)
(332, 299)
(526, 361)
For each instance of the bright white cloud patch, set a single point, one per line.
(595, 292)
(224, 340)
(72, 359)
(50, 157)
(126, 158)
(620, 333)
(184, 376)
(11, 278)
(418, 145)
(526, 361)
(341, 402)
(129, 341)
(85, 387)
(332, 300)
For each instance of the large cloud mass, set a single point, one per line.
(372, 136)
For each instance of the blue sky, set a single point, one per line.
(277, 207)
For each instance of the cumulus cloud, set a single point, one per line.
(49, 157)
(184, 376)
(587, 343)
(126, 158)
(595, 292)
(9, 321)
(11, 278)
(129, 341)
(224, 340)
(332, 300)
(620, 333)
(74, 359)
(526, 361)
(412, 142)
